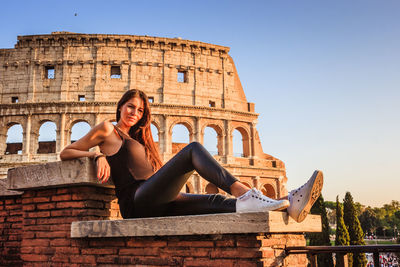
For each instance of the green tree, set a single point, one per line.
(321, 239)
(330, 205)
(354, 227)
(368, 220)
(342, 235)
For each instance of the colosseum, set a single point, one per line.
(67, 78)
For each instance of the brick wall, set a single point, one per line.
(35, 227)
(36, 232)
(10, 230)
(41, 206)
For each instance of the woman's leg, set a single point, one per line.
(194, 204)
(164, 186)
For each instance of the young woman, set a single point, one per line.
(147, 188)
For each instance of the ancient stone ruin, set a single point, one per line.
(65, 78)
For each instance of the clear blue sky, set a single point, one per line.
(324, 75)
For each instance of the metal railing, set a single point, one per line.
(342, 251)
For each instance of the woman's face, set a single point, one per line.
(131, 111)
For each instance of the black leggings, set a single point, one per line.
(160, 194)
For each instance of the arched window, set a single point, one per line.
(14, 140)
(180, 137)
(47, 138)
(79, 130)
(154, 132)
(246, 184)
(237, 144)
(189, 188)
(241, 143)
(210, 140)
(268, 190)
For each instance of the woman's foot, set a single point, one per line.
(302, 198)
(254, 201)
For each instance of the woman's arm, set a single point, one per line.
(81, 148)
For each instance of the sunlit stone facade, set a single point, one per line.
(66, 78)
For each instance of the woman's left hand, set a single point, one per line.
(103, 169)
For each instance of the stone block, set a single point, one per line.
(4, 191)
(226, 223)
(54, 174)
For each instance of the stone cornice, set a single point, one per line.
(82, 39)
(19, 106)
(38, 62)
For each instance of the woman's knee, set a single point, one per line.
(195, 145)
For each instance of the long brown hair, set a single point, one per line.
(141, 131)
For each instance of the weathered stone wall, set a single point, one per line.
(67, 78)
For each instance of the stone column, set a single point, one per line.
(161, 140)
(3, 141)
(221, 144)
(224, 93)
(26, 140)
(166, 79)
(68, 133)
(65, 76)
(197, 184)
(167, 137)
(281, 188)
(60, 143)
(195, 72)
(34, 143)
(32, 77)
(228, 142)
(198, 135)
(97, 119)
(256, 182)
(252, 139)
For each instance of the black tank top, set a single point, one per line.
(129, 166)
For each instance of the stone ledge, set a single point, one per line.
(4, 189)
(54, 174)
(224, 223)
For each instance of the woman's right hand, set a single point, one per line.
(103, 169)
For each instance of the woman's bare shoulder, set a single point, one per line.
(105, 127)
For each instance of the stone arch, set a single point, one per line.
(156, 126)
(81, 133)
(188, 124)
(14, 144)
(211, 189)
(46, 146)
(176, 147)
(189, 187)
(247, 184)
(14, 121)
(155, 132)
(71, 120)
(220, 136)
(158, 122)
(245, 134)
(269, 190)
(37, 121)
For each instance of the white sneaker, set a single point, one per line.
(254, 201)
(302, 198)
